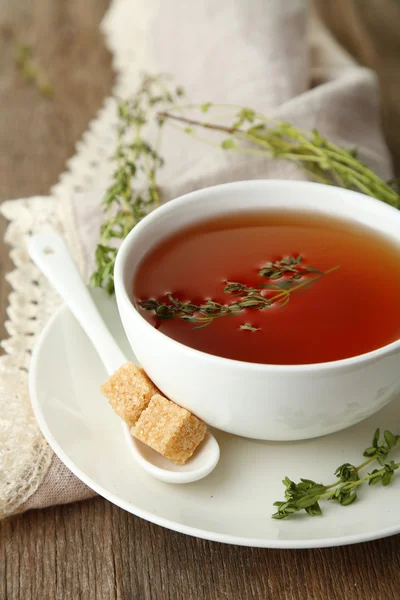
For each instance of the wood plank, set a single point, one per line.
(93, 550)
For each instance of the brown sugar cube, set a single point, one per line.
(129, 390)
(169, 429)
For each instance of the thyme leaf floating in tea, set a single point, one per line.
(248, 327)
(307, 494)
(287, 275)
(286, 266)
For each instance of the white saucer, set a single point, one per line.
(234, 503)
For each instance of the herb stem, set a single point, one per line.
(283, 293)
(198, 137)
(195, 122)
(307, 494)
(353, 484)
(357, 469)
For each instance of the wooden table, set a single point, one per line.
(94, 550)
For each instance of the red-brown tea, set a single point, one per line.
(352, 309)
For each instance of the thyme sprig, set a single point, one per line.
(256, 134)
(134, 192)
(286, 266)
(256, 298)
(307, 494)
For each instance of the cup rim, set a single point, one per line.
(175, 204)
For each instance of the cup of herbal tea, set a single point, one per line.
(270, 309)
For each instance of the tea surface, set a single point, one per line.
(351, 310)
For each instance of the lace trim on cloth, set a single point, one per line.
(25, 456)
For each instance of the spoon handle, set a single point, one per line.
(50, 254)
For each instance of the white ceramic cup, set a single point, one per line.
(268, 402)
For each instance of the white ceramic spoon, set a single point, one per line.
(52, 257)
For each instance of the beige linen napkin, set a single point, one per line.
(262, 54)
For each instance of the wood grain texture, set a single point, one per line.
(38, 134)
(93, 550)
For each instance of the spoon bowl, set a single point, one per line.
(198, 466)
(50, 254)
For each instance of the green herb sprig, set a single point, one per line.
(255, 134)
(287, 266)
(307, 494)
(133, 192)
(287, 275)
(30, 70)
